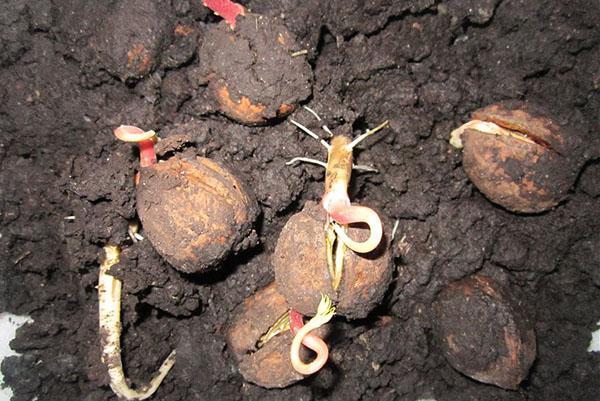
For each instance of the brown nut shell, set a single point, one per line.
(483, 332)
(301, 272)
(253, 318)
(252, 74)
(194, 212)
(527, 175)
(270, 365)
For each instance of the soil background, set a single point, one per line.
(422, 64)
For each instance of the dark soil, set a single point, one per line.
(71, 71)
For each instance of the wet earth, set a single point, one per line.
(71, 71)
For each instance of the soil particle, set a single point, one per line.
(128, 43)
(253, 75)
(14, 30)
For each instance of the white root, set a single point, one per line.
(109, 311)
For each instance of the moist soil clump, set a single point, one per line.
(73, 71)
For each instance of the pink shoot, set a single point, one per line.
(144, 139)
(339, 208)
(226, 9)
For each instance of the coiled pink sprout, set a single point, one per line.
(339, 208)
(303, 336)
(338, 171)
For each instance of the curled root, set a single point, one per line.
(345, 213)
(303, 336)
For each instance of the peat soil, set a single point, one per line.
(67, 189)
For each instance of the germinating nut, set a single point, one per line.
(519, 157)
(194, 211)
(302, 274)
(265, 364)
(252, 74)
(483, 332)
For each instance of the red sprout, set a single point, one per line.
(226, 9)
(144, 139)
(296, 321)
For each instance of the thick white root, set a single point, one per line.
(109, 311)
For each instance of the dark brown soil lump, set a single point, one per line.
(128, 42)
(252, 73)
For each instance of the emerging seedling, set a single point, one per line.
(302, 275)
(144, 139)
(194, 210)
(303, 336)
(519, 156)
(109, 312)
(259, 338)
(336, 201)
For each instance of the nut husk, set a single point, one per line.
(270, 365)
(484, 332)
(301, 272)
(528, 172)
(194, 211)
(252, 74)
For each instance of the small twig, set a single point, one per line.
(299, 53)
(366, 169)
(395, 228)
(20, 258)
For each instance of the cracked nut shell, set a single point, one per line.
(194, 212)
(252, 74)
(530, 166)
(301, 272)
(270, 365)
(483, 332)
